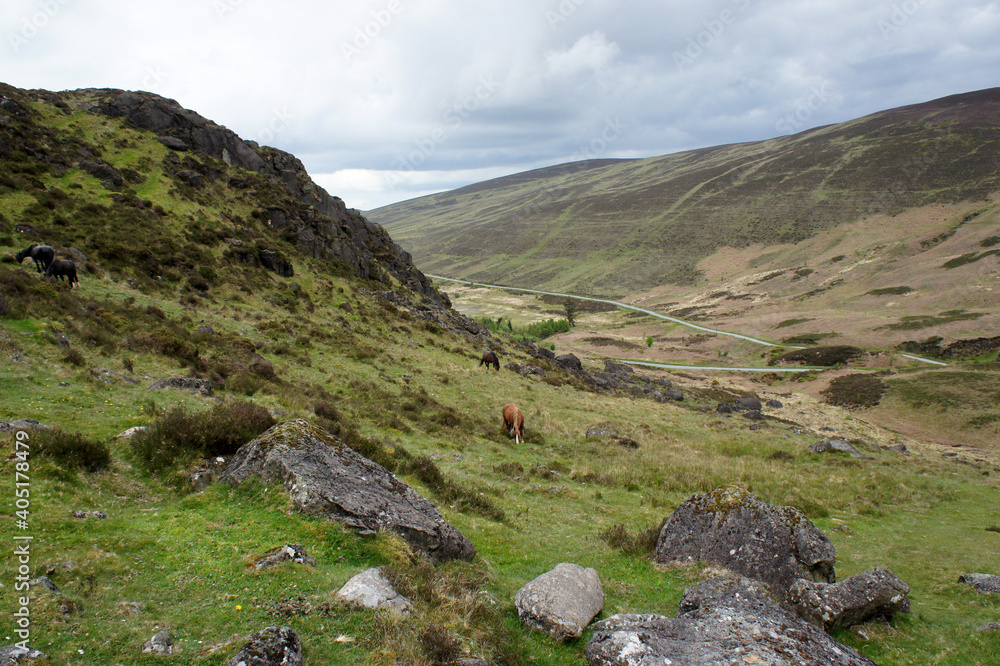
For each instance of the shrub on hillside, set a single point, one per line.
(641, 543)
(74, 450)
(822, 356)
(179, 435)
(855, 391)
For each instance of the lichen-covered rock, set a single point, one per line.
(192, 385)
(732, 528)
(288, 553)
(982, 583)
(271, 646)
(10, 655)
(162, 644)
(562, 602)
(327, 478)
(859, 598)
(371, 589)
(720, 622)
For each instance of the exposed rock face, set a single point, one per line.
(721, 621)
(570, 362)
(195, 386)
(325, 227)
(325, 477)
(859, 598)
(271, 646)
(562, 602)
(732, 528)
(370, 589)
(982, 583)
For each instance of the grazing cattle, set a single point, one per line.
(513, 422)
(490, 358)
(42, 255)
(63, 267)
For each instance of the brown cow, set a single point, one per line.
(490, 358)
(513, 422)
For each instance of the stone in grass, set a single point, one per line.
(282, 554)
(370, 589)
(325, 477)
(562, 602)
(10, 655)
(271, 646)
(854, 600)
(732, 528)
(721, 621)
(982, 583)
(161, 644)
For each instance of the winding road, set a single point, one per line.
(696, 327)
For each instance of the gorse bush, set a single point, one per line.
(75, 451)
(178, 436)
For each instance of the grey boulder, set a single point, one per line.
(271, 646)
(562, 602)
(371, 589)
(982, 583)
(859, 598)
(720, 622)
(732, 528)
(327, 478)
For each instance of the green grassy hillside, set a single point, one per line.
(198, 281)
(624, 227)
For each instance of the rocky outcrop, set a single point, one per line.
(982, 583)
(732, 528)
(324, 227)
(370, 589)
(10, 655)
(271, 646)
(289, 553)
(191, 385)
(859, 598)
(836, 446)
(721, 621)
(562, 602)
(325, 477)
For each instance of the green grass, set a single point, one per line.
(408, 392)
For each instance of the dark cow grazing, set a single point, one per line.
(513, 422)
(42, 255)
(63, 267)
(490, 358)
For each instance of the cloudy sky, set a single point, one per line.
(386, 100)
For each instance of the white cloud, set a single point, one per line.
(352, 87)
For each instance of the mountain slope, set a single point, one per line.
(204, 267)
(620, 228)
